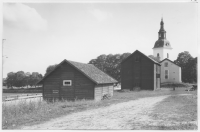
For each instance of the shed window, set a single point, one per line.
(67, 82)
(166, 64)
(166, 74)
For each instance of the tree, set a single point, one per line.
(34, 78)
(111, 64)
(50, 68)
(182, 59)
(20, 79)
(188, 65)
(27, 78)
(11, 79)
(191, 70)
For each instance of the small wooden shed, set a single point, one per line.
(73, 80)
(140, 71)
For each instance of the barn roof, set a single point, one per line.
(89, 70)
(142, 55)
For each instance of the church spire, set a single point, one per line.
(162, 32)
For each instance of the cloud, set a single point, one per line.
(23, 16)
(100, 15)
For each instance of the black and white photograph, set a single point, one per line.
(99, 65)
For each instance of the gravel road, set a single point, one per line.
(117, 116)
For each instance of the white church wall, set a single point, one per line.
(174, 72)
(158, 50)
(162, 53)
(165, 51)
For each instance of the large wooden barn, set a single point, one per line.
(73, 80)
(138, 70)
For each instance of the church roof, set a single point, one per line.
(169, 61)
(162, 43)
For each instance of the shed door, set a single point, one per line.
(67, 86)
(136, 74)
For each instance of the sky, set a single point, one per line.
(41, 34)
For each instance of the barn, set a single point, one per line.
(73, 80)
(140, 71)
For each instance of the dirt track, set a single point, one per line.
(119, 116)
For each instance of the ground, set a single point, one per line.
(163, 109)
(134, 114)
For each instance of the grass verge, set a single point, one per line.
(175, 113)
(31, 113)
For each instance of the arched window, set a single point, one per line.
(158, 55)
(167, 55)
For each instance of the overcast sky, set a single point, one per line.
(41, 34)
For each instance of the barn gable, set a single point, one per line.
(138, 70)
(149, 58)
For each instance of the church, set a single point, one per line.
(170, 72)
(139, 71)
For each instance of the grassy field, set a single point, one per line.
(175, 113)
(37, 112)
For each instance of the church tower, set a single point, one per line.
(162, 46)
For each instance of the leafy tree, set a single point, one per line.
(111, 64)
(191, 71)
(182, 59)
(34, 78)
(11, 79)
(188, 65)
(20, 79)
(50, 68)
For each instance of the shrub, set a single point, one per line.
(106, 96)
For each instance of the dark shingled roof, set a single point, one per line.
(90, 71)
(143, 55)
(162, 43)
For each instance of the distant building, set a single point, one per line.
(140, 71)
(170, 72)
(73, 80)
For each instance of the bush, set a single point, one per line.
(174, 84)
(106, 96)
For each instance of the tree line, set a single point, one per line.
(21, 79)
(110, 64)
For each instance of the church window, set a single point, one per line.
(158, 55)
(166, 64)
(167, 55)
(166, 74)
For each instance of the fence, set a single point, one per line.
(20, 97)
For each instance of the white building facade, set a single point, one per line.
(170, 72)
